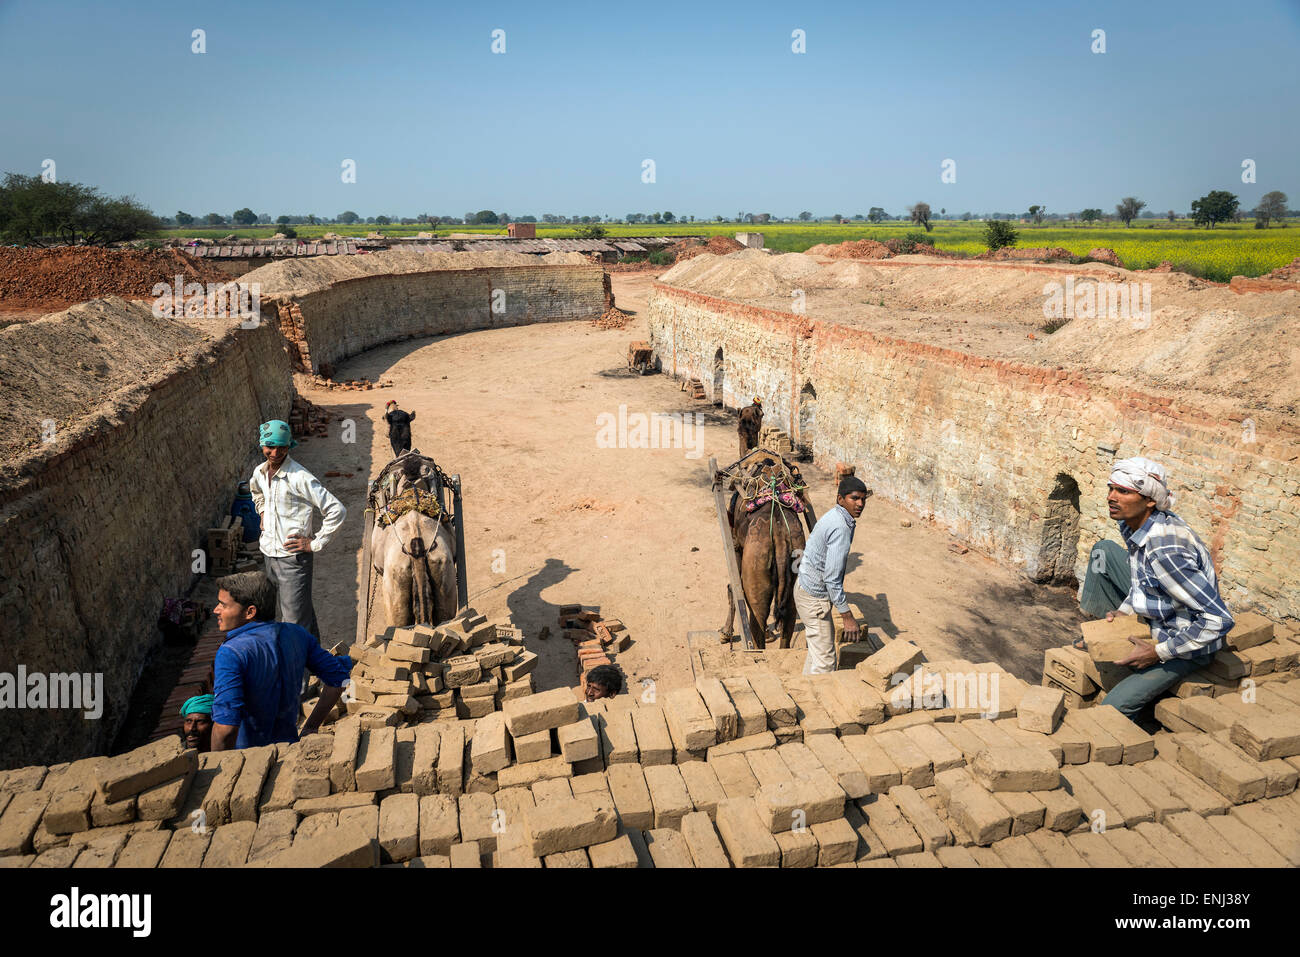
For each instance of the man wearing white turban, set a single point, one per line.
(1172, 587)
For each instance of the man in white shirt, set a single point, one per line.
(285, 494)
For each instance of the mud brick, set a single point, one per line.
(927, 824)
(913, 765)
(1108, 641)
(1067, 666)
(309, 768)
(333, 803)
(399, 827)
(1073, 700)
(750, 717)
(753, 742)
(579, 741)
(18, 780)
(1278, 822)
(20, 820)
(467, 854)
(568, 825)
(1287, 654)
(540, 712)
(1103, 746)
(483, 689)
(688, 718)
(407, 654)
(917, 859)
(245, 795)
(991, 733)
(525, 664)
(1168, 712)
(940, 752)
(952, 856)
(1229, 664)
(533, 747)
(1250, 846)
(703, 786)
(652, 735)
(787, 735)
(144, 849)
(631, 794)
(889, 825)
(960, 736)
(186, 849)
(526, 775)
(69, 809)
(1040, 709)
(970, 805)
(882, 773)
(701, 840)
(1279, 777)
(1262, 658)
(870, 846)
(1017, 851)
(835, 757)
(784, 805)
(862, 702)
(668, 848)
(147, 766)
(1055, 849)
(734, 774)
(552, 790)
(1137, 744)
(511, 804)
(1130, 804)
(467, 708)
(494, 654)
(490, 747)
(798, 848)
(781, 710)
(451, 758)
(1030, 739)
(1096, 850)
(164, 801)
(1161, 800)
(1027, 812)
(1208, 842)
(227, 766)
(342, 846)
(343, 758)
(1248, 631)
(103, 814)
(618, 853)
(726, 720)
(769, 768)
(58, 856)
(478, 820)
(1266, 736)
(1200, 798)
(1237, 779)
(1096, 806)
(460, 671)
(231, 845)
(747, 841)
(669, 795)
(387, 671)
(823, 712)
(567, 859)
(376, 760)
(276, 792)
(275, 830)
(897, 657)
(1170, 846)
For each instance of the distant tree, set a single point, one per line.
(347, 217)
(942, 211)
(668, 217)
(764, 218)
(486, 216)
(718, 218)
(34, 212)
(1128, 208)
(214, 219)
(999, 233)
(283, 220)
(1216, 206)
(635, 217)
(263, 218)
(289, 232)
(876, 215)
(657, 217)
(184, 218)
(312, 220)
(244, 217)
(965, 217)
(382, 220)
(1090, 215)
(592, 232)
(920, 214)
(1272, 206)
(805, 216)
(1172, 216)
(858, 217)
(1036, 214)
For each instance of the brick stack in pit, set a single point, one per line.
(467, 667)
(752, 769)
(596, 638)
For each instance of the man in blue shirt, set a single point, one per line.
(820, 586)
(258, 670)
(1172, 587)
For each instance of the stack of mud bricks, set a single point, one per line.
(897, 762)
(1256, 649)
(289, 315)
(595, 637)
(770, 437)
(224, 543)
(463, 668)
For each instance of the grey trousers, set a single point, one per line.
(292, 577)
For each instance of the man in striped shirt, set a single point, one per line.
(1172, 587)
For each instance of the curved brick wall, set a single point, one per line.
(980, 444)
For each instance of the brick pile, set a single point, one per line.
(466, 667)
(770, 437)
(308, 419)
(612, 318)
(596, 638)
(752, 769)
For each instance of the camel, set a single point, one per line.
(766, 540)
(750, 424)
(415, 555)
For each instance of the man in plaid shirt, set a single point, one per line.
(1172, 587)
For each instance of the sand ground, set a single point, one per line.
(552, 518)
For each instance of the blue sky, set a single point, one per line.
(712, 92)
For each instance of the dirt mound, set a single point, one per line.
(717, 245)
(613, 318)
(1104, 255)
(1028, 252)
(64, 275)
(1291, 271)
(851, 249)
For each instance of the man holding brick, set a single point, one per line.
(285, 493)
(1173, 587)
(257, 672)
(820, 585)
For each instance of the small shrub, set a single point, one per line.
(999, 233)
(1052, 325)
(662, 257)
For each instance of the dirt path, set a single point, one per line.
(553, 518)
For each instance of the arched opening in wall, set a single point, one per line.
(807, 421)
(1060, 541)
(718, 376)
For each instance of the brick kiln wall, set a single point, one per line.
(91, 544)
(357, 314)
(979, 444)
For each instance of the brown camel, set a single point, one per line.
(416, 555)
(766, 540)
(751, 423)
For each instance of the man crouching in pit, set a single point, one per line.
(1168, 581)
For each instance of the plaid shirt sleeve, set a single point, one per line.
(1179, 572)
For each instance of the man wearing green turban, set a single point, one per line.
(196, 712)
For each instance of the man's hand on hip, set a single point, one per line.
(298, 543)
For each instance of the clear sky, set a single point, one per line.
(562, 121)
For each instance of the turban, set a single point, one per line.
(1144, 477)
(199, 704)
(757, 401)
(276, 434)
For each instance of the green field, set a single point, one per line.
(1235, 249)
